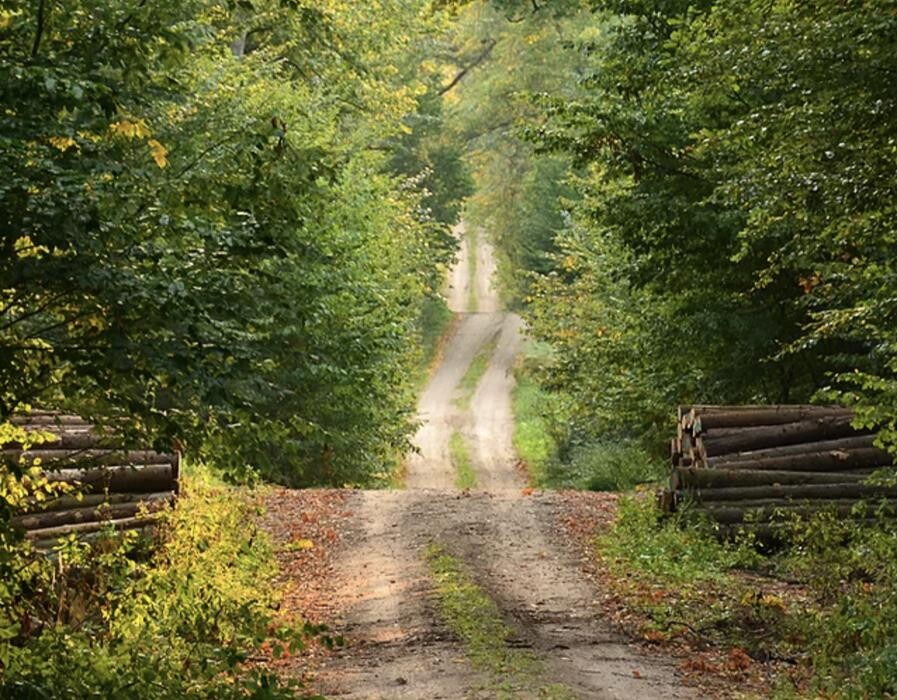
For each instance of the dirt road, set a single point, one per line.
(399, 645)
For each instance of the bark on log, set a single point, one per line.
(828, 460)
(71, 501)
(80, 440)
(787, 493)
(849, 443)
(694, 478)
(53, 533)
(149, 503)
(46, 418)
(120, 479)
(739, 417)
(777, 435)
(63, 459)
(767, 511)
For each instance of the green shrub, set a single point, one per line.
(610, 466)
(130, 617)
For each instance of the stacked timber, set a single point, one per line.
(110, 484)
(763, 464)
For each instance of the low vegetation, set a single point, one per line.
(459, 450)
(180, 614)
(824, 602)
(556, 459)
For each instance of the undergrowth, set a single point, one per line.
(180, 615)
(824, 600)
(556, 460)
(433, 323)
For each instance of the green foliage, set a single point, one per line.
(673, 550)
(129, 618)
(707, 217)
(840, 623)
(465, 476)
(517, 195)
(533, 442)
(434, 322)
(206, 230)
(558, 453)
(608, 466)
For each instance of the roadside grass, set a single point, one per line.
(473, 304)
(606, 465)
(823, 603)
(476, 620)
(478, 366)
(465, 476)
(533, 443)
(433, 326)
(594, 465)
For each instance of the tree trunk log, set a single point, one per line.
(117, 479)
(777, 435)
(738, 417)
(770, 510)
(63, 459)
(66, 440)
(794, 492)
(68, 502)
(843, 444)
(150, 503)
(691, 478)
(53, 533)
(824, 461)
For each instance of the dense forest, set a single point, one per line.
(692, 201)
(225, 229)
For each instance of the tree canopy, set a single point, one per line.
(220, 220)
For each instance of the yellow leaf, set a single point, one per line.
(63, 143)
(130, 129)
(159, 152)
(300, 544)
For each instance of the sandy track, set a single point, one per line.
(509, 543)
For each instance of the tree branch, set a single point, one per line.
(38, 35)
(464, 71)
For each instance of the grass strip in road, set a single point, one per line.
(473, 303)
(468, 384)
(465, 476)
(477, 621)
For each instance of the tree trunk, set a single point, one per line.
(62, 459)
(829, 460)
(150, 503)
(53, 533)
(693, 478)
(768, 510)
(777, 435)
(843, 444)
(739, 417)
(116, 479)
(794, 492)
(75, 501)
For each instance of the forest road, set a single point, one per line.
(507, 539)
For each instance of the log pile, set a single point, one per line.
(112, 485)
(758, 465)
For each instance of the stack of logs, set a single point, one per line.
(111, 485)
(759, 465)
